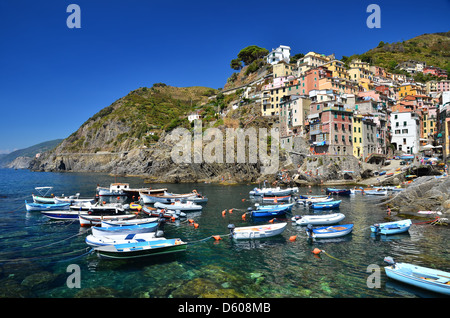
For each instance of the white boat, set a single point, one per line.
(318, 219)
(100, 208)
(314, 200)
(181, 206)
(108, 223)
(376, 192)
(423, 277)
(273, 191)
(153, 198)
(125, 229)
(256, 231)
(114, 189)
(43, 196)
(95, 241)
(92, 220)
(73, 199)
(394, 227)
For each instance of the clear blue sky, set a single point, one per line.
(52, 78)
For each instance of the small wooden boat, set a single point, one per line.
(92, 219)
(278, 210)
(423, 277)
(179, 205)
(376, 192)
(286, 198)
(308, 197)
(314, 200)
(100, 208)
(273, 191)
(141, 249)
(338, 191)
(43, 196)
(95, 241)
(168, 214)
(61, 215)
(318, 219)
(134, 221)
(73, 199)
(125, 229)
(46, 207)
(329, 231)
(395, 227)
(325, 205)
(285, 207)
(165, 198)
(257, 231)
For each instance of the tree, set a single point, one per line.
(296, 57)
(236, 64)
(252, 53)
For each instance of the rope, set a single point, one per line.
(26, 259)
(206, 238)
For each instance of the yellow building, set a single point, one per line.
(357, 136)
(337, 69)
(411, 89)
(361, 73)
(283, 69)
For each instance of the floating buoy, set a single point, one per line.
(217, 237)
(243, 200)
(271, 221)
(243, 216)
(230, 211)
(191, 221)
(195, 225)
(316, 251)
(224, 212)
(293, 238)
(173, 219)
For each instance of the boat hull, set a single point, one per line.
(319, 219)
(420, 277)
(332, 231)
(92, 220)
(338, 191)
(46, 207)
(96, 241)
(142, 228)
(180, 207)
(258, 231)
(392, 227)
(141, 249)
(325, 205)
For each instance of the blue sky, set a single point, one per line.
(52, 78)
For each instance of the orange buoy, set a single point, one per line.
(293, 238)
(230, 211)
(224, 212)
(271, 221)
(191, 221)
(243, 216)
(196, 225)
(217, 237)
(243, 200)
(316, 251)
(173, 219)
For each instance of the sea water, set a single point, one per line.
(38, 255)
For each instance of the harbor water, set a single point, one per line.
(36, 252)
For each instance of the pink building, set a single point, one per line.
(435, 71)
(443, 86)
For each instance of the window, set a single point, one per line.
(404, 123)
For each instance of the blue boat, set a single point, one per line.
(271, 210)
(46, 207)
(395, 227)
(62, 214)
(328, 231)
(325, 205)
(124, 229)
(423, 277)
(338, 191)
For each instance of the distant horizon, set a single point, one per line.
(54, 78)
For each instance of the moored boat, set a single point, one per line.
(96, 241)
(256, 231)
(43, 196)
(423, 277)
(338, 191)
(314, 200)
(125, 229)
(394, 227)
(92, 219)
(179, 205)
(141, 249)
(134, 221)
(329, 231)
(273, 191)
(168, 214)
(46, 207)
(61, 214)
(275, 199)
(376, 192)
(318, 219)
(325, 205)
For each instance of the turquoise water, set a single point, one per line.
(35, 252)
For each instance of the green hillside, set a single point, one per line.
(434, 49)
(138, 119)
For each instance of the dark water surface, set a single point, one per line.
(35, 252)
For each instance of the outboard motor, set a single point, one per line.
(231, 227)
(377, 228)
(389, 260)
(309, 230)
(160, 228)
